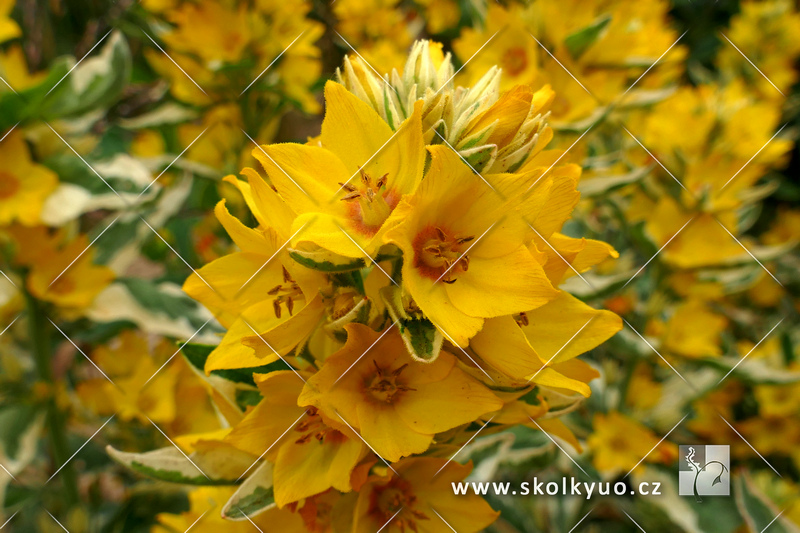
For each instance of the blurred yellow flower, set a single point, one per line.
(619, 443)
(694, 330)
(24, 184)
(9, 29)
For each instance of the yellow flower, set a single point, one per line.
(778, 400)
(465, 248)
(694, 330)
(619, 442)
(315, 454)
(397, 403)
(257, 291)
(8, 27)
(14, 69)
(771, 434)
(345, 190)
(68, 277)
(203, 516)
(24, 185)
(406, 501)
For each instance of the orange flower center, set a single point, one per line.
(386, 500)
(514, 61)
(370, 202)
(285, 294)
(440, 255)
(385, 384)
(312, 427)
(9, 185)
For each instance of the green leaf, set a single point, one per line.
(578, 42)
(213, 464)
(95, 83)
(756, 509)
(600, 185)
(148, 294)
(326, 261)
(422, 339)
(254, 496)
(197, 354)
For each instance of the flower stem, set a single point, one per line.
(38, 331)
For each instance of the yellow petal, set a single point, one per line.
(386, 432)
(283, 337)
(501, 286)
(551, 327)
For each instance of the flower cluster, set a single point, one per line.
(414, 299)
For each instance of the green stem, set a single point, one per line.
(38, 331)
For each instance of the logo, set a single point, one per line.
(704, 471)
